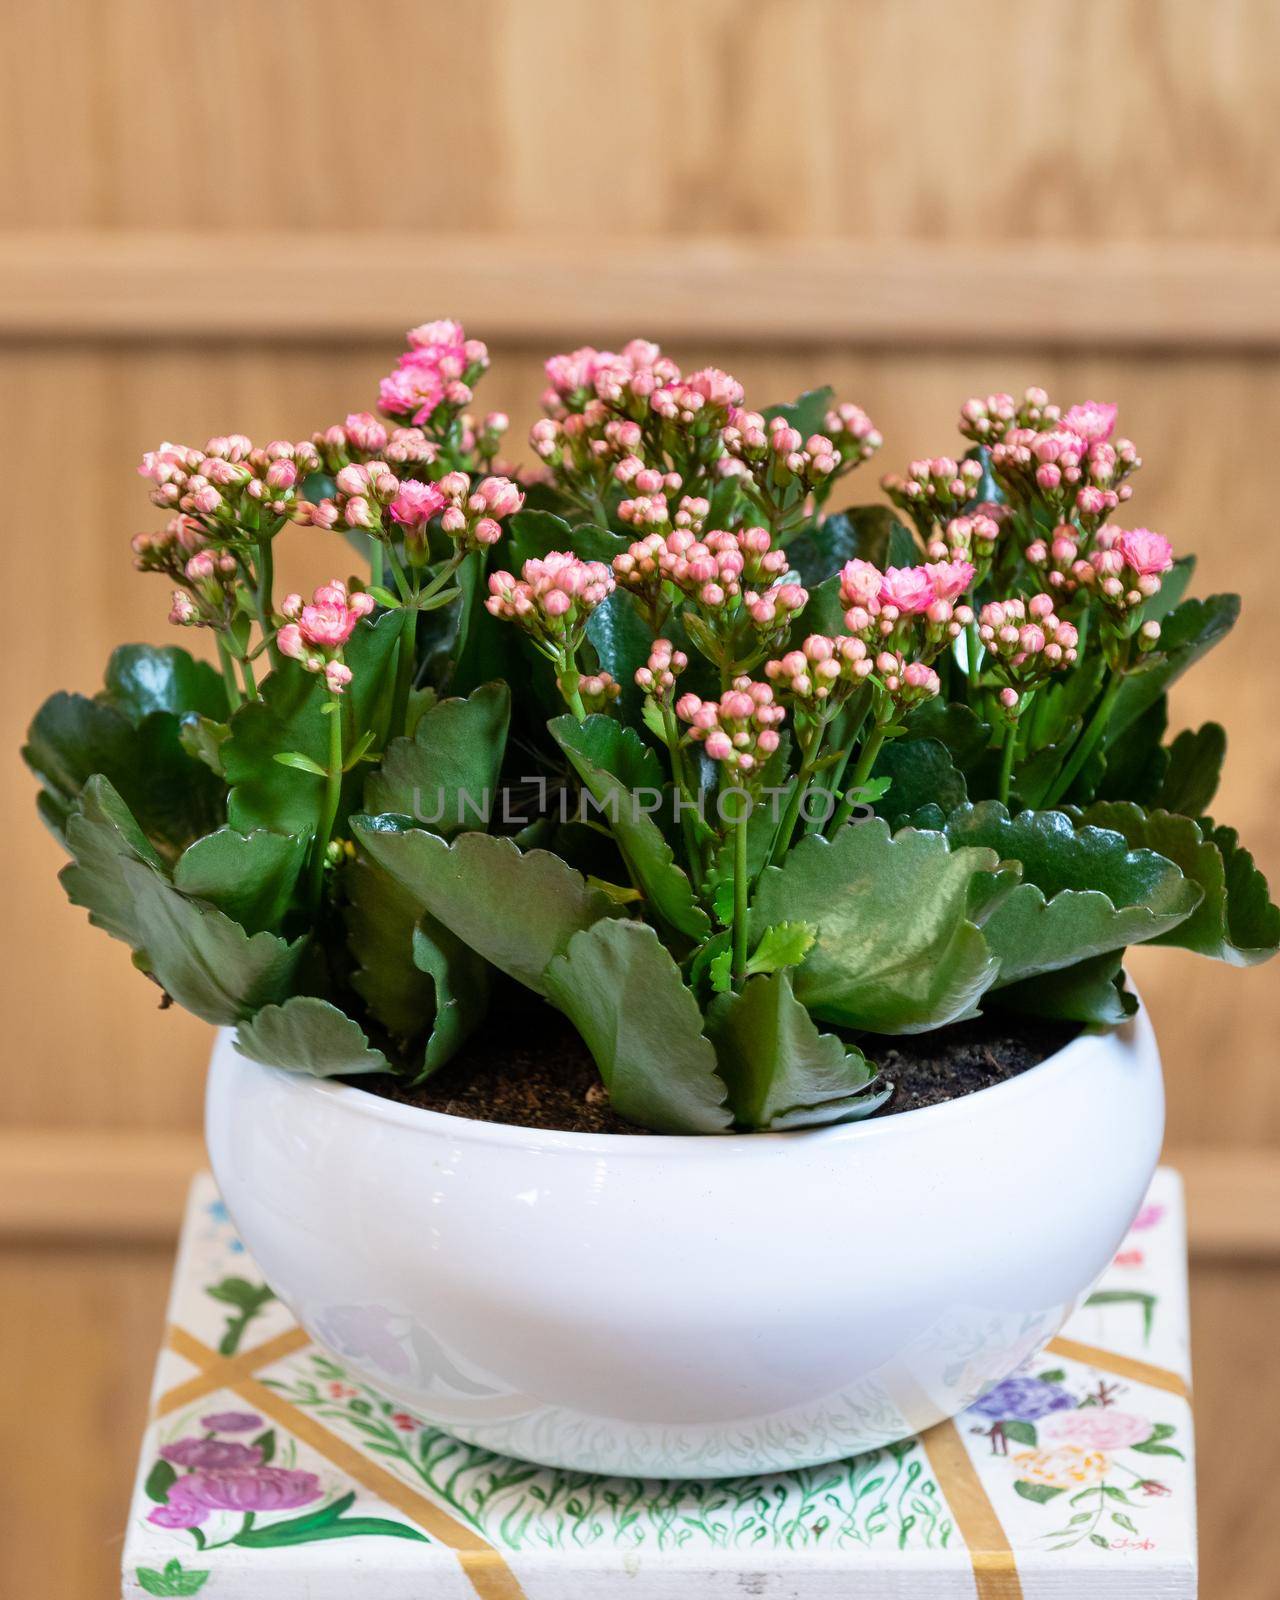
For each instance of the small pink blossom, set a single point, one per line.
(909, 589)
(416, 504)
(1093, 420)
(1148, 554)
(1094, 1428)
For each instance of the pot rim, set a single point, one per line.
(667, 1146)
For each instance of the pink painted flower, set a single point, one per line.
(1093, 420)
(1148, 554)
(231, 1422)
(210, 1453)
(1149, 1217)
(1094, 1428)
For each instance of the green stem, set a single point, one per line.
(332, 797)
(866, 760)
(740, 892)
(810, 751)
(692, 848)
(376, 561)
(1006, 760)
(404, 672)
(263, 599)
(1087, 742)
(397, 572)
(234, 698)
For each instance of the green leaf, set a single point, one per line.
(239, 1292)
(446, 775)
(307, 1034)
(1173, 587)
(250, 876)
(460, 979)
(807, 413)
(160, 1480)
(1188, 632)
(780, 1071)
(1195, 765)
(266, 1442)
(622, 991)
(290, 716)
(199, 956)
(380, 915)
(784, 945)
(622, 641)
(275, 1535)
(1084, 891)
(516, 909)
(896, 951)
(919, 772)
(622, 775)
(1236, 921)
(174, 1580)
(296, 759)
(865, 533)
(174, 797)
(202, 738)
(1020, 1432)
(1092, 991)
(1134, 769)
(144, 678)
(1040, 1493)
(960, 730)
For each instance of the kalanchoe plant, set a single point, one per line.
(736, 782)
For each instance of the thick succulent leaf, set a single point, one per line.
(290, 717)
(199, 956)
(1084, 890)
(380, 915)
(534, 533)
(780, 1071)
(965, 735)
(445, 777)
(1173, 588)
(1059, 706)
(461, 981)
(614, 763)
(1187, 633)
(515, 909)
(622, 642)
(1236, 921)
(142, 678)
(920, 772)
(1194, 767)
(309, 1035)
(897, 951)
(867, 533)
(175, 798)
(1136, 767)
(807, 412)
(1092, 991)
(250, 876)
(622, 991)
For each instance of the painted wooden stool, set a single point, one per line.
(269, 1472)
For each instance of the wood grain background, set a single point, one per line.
(224, 217)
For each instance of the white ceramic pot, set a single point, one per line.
(698, 1306)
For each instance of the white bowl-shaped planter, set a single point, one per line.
(690, 1307)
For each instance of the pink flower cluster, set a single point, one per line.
(363, 492)
(315, 634)
(724, 569)
(933, 488)
(468, 514)
(598, 690)
(987, 420)
(740, 730)
(440, 367)
(853, 433)
(625, 382)
(364, 437)
(229, 484)
(971, 538)
(208, 596)
(553, 597)
(1124, 566)
(665, 664)
(882, 604)
(778, 455)
(1067, 473)
(820, 674)
(1026, 641)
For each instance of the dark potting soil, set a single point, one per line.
(528, 1066)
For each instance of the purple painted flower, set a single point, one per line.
(232, 1422)
(211, 1453)
(178, 1514)
(247, 1489)
(1022, 1399)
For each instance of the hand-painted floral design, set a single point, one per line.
(1096, 1428)
(1065, 1467)
(1023, 1398)
(198, 1477)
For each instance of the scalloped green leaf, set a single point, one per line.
(1188, 632)
(622, 991)
(381, 914)
(460, 980)
(290, 716)
(897, 950)
(1194, 768)
(199, 956)
(807, 412)
(445, 777)
(614, 763)
(306, 1034)
(1092, 991)
(964, 734)
(865, 533)
(920, 772)
(1084, 890)
(781, 1072)
(250, 876)
(143, 678)
(1236, 921)
(517, 909)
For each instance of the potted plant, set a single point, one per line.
(667, 932)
